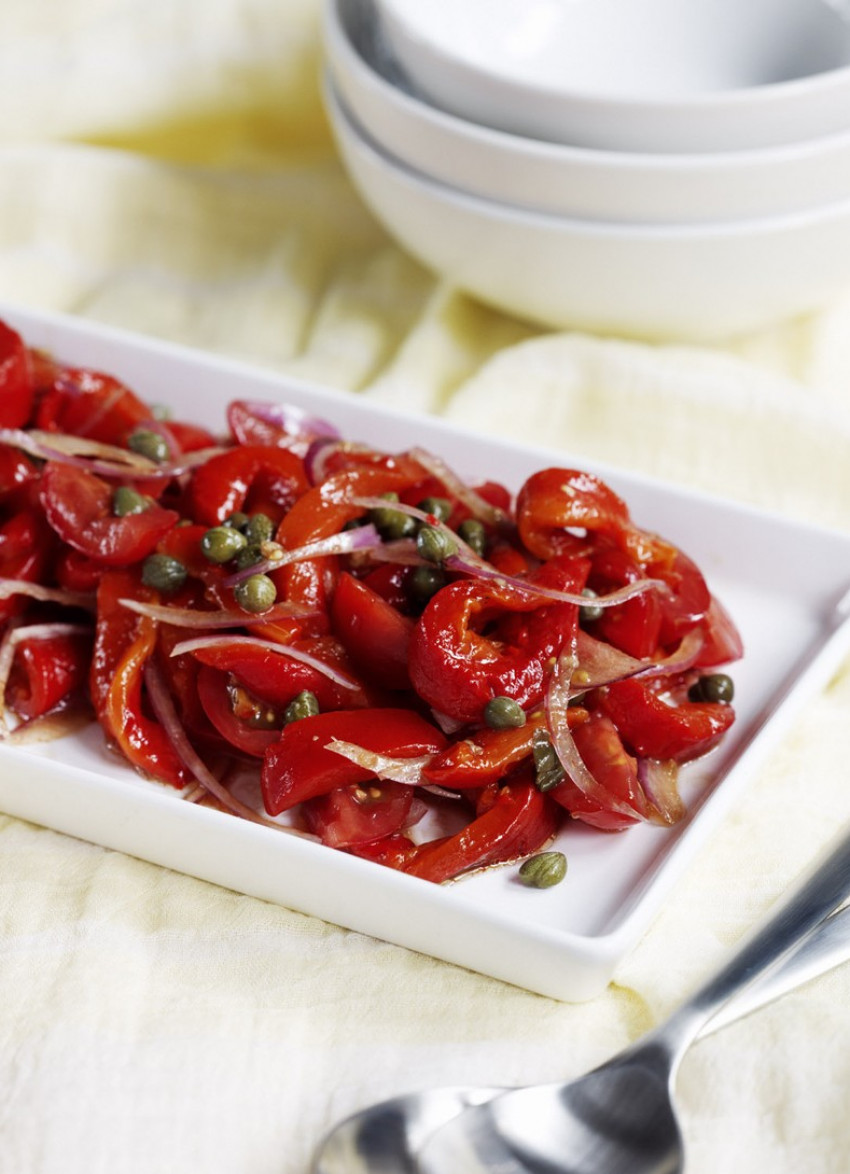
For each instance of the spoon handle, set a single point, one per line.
(822, 891)
(827, 946)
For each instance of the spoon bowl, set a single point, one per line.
(388, 1137)
(620, 1118)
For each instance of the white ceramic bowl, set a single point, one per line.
(569, 181)
(697, 282)
(631, 75)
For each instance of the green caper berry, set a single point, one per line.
(392, 524)
(248, 556)
(150, 444)
(236, 521)
(548, 771)
(304, 705)
(590, 612)
(258, 528)
(543, 870)
(257, 593)
(423, 583)
(473, 534)
(127, 501)
(434, 545)
(163, 573)
(503, 713)
(221, 544)
(716, 687)
(440, 507)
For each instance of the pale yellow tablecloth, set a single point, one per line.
(165, 166)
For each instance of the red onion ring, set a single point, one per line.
(166, 715)
(286, 650)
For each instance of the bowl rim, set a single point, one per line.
(610, 230)
(345, 55)
(729, 99)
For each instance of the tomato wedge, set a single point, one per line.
(78, 506)
(372, 631)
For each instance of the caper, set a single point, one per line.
(543, 870)
(236, 521)
(503, 713)
(423, 583)
(163, 573)
(248, 556)
(548, 771)
(391, 523)
(589, 613)
(126, 500)
(473, 534)
(434, 545)
(221, 543)
(257, 593)
(439, 507)
(160, 411)
(258, 528)
(304, 705)
(717, 687)
(150, 444)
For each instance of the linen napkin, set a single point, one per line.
(167, 168)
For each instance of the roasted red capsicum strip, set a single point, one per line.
(521, 821)
(299, 766)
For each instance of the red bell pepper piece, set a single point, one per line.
(16, 390)
(249, 478)
(123, 643)
(299, 766)
(652, 728)
(47, 672)
(458, 662)
(521, 821)
(90, 404)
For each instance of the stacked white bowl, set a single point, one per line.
(658, 168)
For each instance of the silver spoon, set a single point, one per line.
(387, 1137)
(620, 1118)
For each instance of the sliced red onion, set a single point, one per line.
(447, 725)
(166, 715)
(321, 452)
(295, 422)
(601, 664)
(401, 551)
(477, 567)
(185, 617)
(556, 703)
(660, 783)
(395, 770)
(474, 502)
(45, 594)
(466, 561)
(346, 542)
(59, 446)
(286, 650)
(105, 460)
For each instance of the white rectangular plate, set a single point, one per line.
(781, 581)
